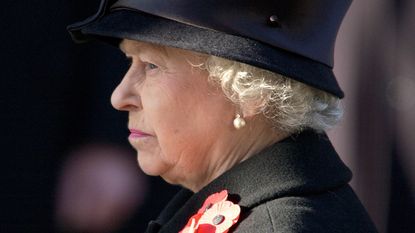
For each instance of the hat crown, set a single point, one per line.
(294, 38)
(305, 27)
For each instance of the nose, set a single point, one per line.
(126, 97)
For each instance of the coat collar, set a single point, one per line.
(302, 164)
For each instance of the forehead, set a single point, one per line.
(137, 47)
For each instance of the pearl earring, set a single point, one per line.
(239, 122)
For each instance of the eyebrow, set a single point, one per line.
(142, 49)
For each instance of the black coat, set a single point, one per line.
(297, 185)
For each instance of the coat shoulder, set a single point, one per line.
(329, 212)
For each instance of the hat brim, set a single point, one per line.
(135, 25)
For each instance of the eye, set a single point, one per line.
(150, 66)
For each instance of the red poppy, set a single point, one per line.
(217, 215)
(191, 225)
(213, 199)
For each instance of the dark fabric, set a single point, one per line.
(301, 48)
(303, 28)
(297, 185)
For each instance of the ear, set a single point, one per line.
(250, 110)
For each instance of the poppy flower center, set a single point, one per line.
(218, 219)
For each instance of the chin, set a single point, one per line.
(148, 170)
(151, 168)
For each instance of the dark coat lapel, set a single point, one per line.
(303, 164)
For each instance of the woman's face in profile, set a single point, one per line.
(176, 117)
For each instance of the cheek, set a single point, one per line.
(165, 114)
(189, 105)
(187, 116)
(167, 108)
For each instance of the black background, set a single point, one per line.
(55, 96)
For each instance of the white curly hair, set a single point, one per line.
(289, 105)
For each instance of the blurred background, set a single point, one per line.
(65, 161)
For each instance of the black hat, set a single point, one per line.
(294, 38)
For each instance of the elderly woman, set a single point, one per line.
(230, 100)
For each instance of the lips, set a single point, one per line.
(135, 133)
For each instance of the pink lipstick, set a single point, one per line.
(135, 133)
